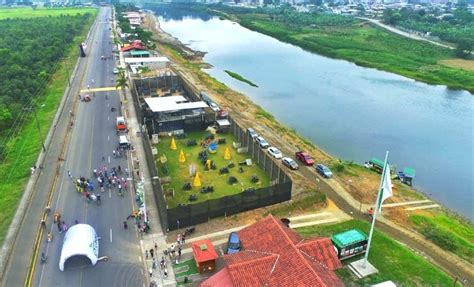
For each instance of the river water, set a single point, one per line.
(351, 112)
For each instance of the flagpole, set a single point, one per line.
(375, 211)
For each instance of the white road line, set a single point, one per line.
(110, 193)
(110, 235)
(140, 258)
(109, 158)
(108, 118)
(108, 138)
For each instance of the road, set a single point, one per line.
(92, 137)
(403, 33)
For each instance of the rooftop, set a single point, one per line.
(276, 255)
(146, 60)
(203, 250)
(348, 237)
(172, 103)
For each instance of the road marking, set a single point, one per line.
(108, 118)
(140, 258)
(110, 235)
(110, 193)
(108, 138)
(109, 158)
(104, 89)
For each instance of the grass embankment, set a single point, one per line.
(240, 78)
(369, 46)
(23, 150)
(449, 233)
(394, 261)
(28, 12)
(179, 172)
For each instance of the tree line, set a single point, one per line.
(30, 50)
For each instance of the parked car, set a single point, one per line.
(289, 162)
(304, 157)
(323, 170)
(233, 244)
(115, 71)
(252, 133)
(262, 142)
(214, 107)
(273, 151)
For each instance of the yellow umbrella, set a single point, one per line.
(197, 180)
(227, 153)
(181, 158)
(173, 144)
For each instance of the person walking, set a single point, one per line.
(146, 254)
(69, 173)
(151, 252)
(179, 252)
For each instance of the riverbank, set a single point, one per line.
(362, 43)
(360, 183)
(240, 78)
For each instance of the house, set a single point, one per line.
(275, 255)
(151, 62)
(176, 113)
(205, 255)
(135, 45)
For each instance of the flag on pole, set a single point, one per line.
(386, 186)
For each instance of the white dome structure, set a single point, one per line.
(82, 240)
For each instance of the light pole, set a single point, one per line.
(37, 124)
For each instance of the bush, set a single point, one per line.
(191, 143)
(192, 197)
(223, 170)
(187, 186)
(181, 136)
(165, 169)
(221, 141)
(254, 178)
(231, 165)
(439, 237)
(232, 180)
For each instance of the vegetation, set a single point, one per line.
(133, 34)
(33, 56)
(28, 12)
(449, 233)
(353, 40)
(240, 78)
(179, 172)
(456, 27)
(394, 261)
(304, 203)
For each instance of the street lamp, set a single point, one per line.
(37, 124)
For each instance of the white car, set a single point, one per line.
(276, 153)
(214, 107)
(115, 71)
(262, 142)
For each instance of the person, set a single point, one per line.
(125, 225)
(93, 94)
(44, 258)
(47, 209)
(162, 262)
(98, 198)
(106, 97)
(165, 273)
(50, 236)
(154, 263)
(113, 153)
(151, 252)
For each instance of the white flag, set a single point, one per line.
(386, 186)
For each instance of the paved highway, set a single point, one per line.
(93, 137)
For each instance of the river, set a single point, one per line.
(351, 112)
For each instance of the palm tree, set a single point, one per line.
(122, 82)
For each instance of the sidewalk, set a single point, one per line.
(155, 237)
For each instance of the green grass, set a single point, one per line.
(240, 78)
(24, 150)
(449, 233)
(189, 266)
(287, 208)
(369, 46)
(179, 172)
(28, 12)
(394, 261)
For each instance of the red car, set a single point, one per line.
(304, 157)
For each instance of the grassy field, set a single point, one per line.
(24, 150)
(179, 172)
(369, 46)
(394, 261)
(449, 233)
(240, 78)
(29, 12)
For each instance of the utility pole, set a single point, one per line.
(37, 124)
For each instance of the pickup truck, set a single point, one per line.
(304, 157)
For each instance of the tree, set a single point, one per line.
(122, 82)
(464, 49)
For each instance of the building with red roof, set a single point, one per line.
(135, 45)
(275, 255)
(205, 255)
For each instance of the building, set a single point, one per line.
(275, 255)
(350, 243)
(153, 63)
(176, 114)
(205, 255)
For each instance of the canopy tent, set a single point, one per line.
(80, 240)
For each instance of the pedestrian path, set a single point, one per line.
(406, 203)
(423, 207)
(103, 89)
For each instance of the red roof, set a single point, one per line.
(276, 255)
(203, 255)
(133, 46)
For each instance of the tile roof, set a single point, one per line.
(221, 279)
(275, 255)
(204, 255)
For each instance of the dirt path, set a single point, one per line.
(288, 142)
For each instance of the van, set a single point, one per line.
(124, 143)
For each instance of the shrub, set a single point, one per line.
(231, 165)
(232, 180)
(187, 186)
(254, 178)
(165, 169)
(221, 141)
(439, 237)
(223, 170)
(191, 143)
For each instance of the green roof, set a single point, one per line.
(139, 53)
(377, 162)
(409, 172)
(348, 237)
